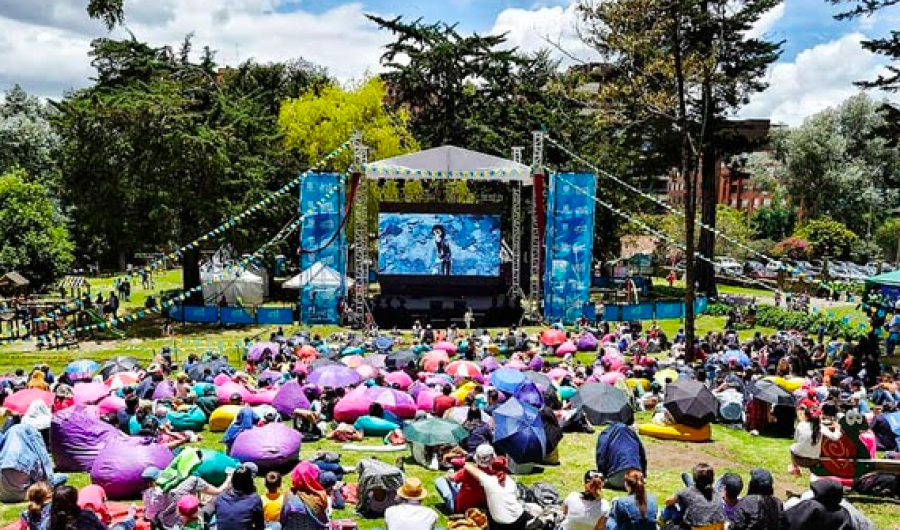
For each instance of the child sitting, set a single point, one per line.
(273, 500)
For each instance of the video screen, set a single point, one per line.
(438, 244)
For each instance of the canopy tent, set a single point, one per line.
(318, 275)
(247, 287)
(887, 284)
(449, 162)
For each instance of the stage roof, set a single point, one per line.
(450, 163)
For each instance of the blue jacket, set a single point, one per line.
(620, 449)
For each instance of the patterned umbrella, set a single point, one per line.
(119, 364)
(121, 380)
(82, 369)
(463, 369)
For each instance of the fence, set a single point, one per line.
(210, 314)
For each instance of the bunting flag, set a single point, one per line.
(402, 171)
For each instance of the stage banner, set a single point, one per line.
(274, 315)
(669, 310)
(643, 311)
(236, 315)
(207, 314)
(323, 242)
(569, 243)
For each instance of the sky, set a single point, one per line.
(44, 44)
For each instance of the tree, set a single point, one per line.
(829, 238)
(35, 240)
(773, 222)
(27, 138)
(110, 12)
(686, 63)
(888, 237)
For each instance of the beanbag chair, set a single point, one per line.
(353, 350)
(89, 393)
(222, 417)
(789, 384)
(164, 390)
(199, 389)
(119, 465)
(77, 435)
(192, 419)
(566, 392)
(261, 397)
(372, 426)
(214, 466)
(110, 405)
(290, 397)
(221, 379)
(682, 433)
(633, 382)
(273, 446)
(224, 392)
(587, 342)
(566, 348)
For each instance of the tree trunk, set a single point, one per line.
(706, 273)
(190, 263)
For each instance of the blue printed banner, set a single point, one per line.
(669, 310)
(275, 315)
(569, 244)
(637, 312)
(323, 244)
(236, 315)
(208, 314)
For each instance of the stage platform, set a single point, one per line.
(401, 311)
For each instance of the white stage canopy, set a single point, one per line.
(449, 162)
(317, 275)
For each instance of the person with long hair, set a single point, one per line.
(698, 505)
(637, 511)
(36, 516)
(306, 506)
(240, 507)
(587, 509)
(759, 509)
(505, 510)
(65, 514)
(808, 434)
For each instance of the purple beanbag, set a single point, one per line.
(587, 342)
(119, 465)
(164, 390)
(272, 446)
(289, 397)
(77, 434)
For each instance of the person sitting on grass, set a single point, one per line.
(272, 501)
(410, 514)
(306, 506)
(760, 509)
(37, 515)
(697, 505)
(586, 510)
(637, 511)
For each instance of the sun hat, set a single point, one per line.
(412, 490)
(150, 473)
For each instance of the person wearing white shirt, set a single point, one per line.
(410, 515)
(505, 511)
(586, 510)
(807, 446)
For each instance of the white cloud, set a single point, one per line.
(818, 78)
(45, 50)
(766, 21)
(544, 27)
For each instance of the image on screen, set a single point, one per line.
(438, 244)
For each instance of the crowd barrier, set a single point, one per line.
(644, 311)
(211, 314)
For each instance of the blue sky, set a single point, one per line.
(44, 43)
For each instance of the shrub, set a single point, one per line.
(793, 247)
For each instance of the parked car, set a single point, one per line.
(774, 266)
(727, 266)
(755, 269)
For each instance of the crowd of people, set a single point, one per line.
(481, 485)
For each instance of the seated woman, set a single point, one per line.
(698, 505)
(307, 505)
(637, 511)
(586, 510)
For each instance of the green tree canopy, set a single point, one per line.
(35, 240)
(27, 138)
(828, 238)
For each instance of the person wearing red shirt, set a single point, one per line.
(444, 402)
(460, 490)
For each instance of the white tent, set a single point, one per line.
(449, 162)
(317, 275)
(247, 287)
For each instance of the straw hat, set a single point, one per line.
(412, 490)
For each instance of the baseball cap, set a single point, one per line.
(484, 455)
(150, 473)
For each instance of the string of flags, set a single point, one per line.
(402, 171)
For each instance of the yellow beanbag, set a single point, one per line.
(682, 433)
(460, 393)
(222, 417)
(790, 385)
(635, 381)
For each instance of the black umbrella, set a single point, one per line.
(216, 366)
(117, 365)
(768, 391)
(603, 403)
(399, 359)
(539, 379)
(691, 403)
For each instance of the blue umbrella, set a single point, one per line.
(81, 369)
(739, 357)
(529, 393)
(507, 380)
(384, 343)
(519, 431)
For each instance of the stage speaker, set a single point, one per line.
(436, 305)
(459, 306)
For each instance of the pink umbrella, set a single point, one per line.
(89, 393)
(517, 365)
(110, 404)
(448, 347)
(425, 399)
(401, 379)
(612, 377)
(353, 361)
(400, 403)
(490, 364)
(367, 371)
(221, 379)
(20, 401)
(307, 353)
(553, 337)
(558, 373)
(263, 349)
(121, 380)
(566, 348)
(432, 360)
(438, 380)
(463, 369)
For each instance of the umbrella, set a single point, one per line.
(89, 393)
(539, 379)
(737, 356)
(353, 361)
(261, 350)
(334, 375)
(507, 380)
(662, 375)
(434, 431)
(553, 337)
(448, 347)
(463, 369)
(367, 371)
(401, 379)
(516, 364)
(121, 380)
(383, 343)
(519, 432)
(215, 366)
(21, 400)
(489, 364)
(691, 403)
(612, 377)
(558, 373)
(770, 392)
(399, 359)
(432, 360)
(530, 394)
(81, 369)
(461, 414)
(377, 360)
(603, 403)
(393, 400)
(119, 364)
(307, 352)
(425, 399)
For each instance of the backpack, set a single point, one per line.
(546, 495)
(878, 484)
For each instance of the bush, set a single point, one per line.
(828, 237)
(793, 248)
(774, 317)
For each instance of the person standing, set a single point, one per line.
(469, 318)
